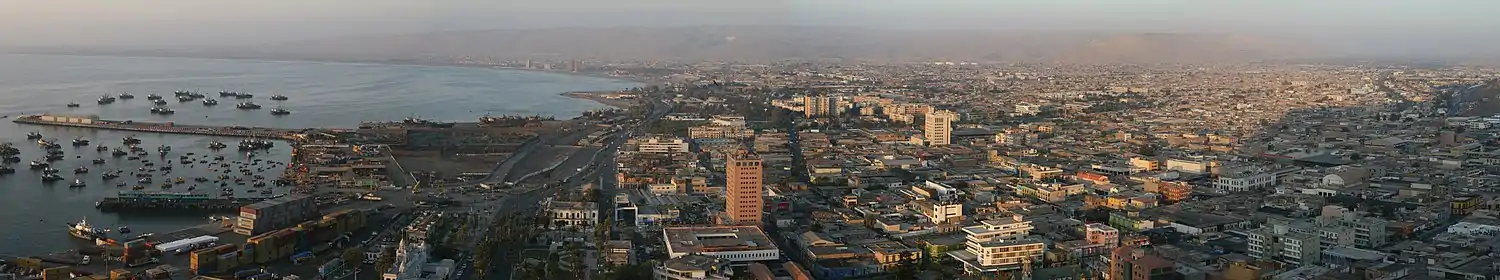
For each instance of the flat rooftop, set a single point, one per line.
(716, 239)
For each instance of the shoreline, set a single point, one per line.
(645, 81)
(595, 97)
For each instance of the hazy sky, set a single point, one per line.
(214, 22)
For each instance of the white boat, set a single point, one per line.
(82, 229)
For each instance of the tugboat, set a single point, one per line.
(80, 170)
(54, 157)
(247, 105)
(80, 142)
(51, 177)
(244, 96)
(162, 111)
(78, 183)
(217, 145)
(182, 93)
(98, 161)
(160, 102)
(278, 97)
(210, 102)
(73, 105)
(127, 95)
(131, 140)
(185, 98)
(33, 135)
(227, 93)
(153, 96)
(280, 112)
(106, 100)
(36, 165)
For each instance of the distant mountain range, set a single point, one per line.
(771, 43)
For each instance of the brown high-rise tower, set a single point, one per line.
(742, 191)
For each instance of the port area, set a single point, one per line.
(157, 127)
(71, 259)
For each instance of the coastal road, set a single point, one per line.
(603, 166)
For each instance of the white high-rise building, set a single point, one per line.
(999, 245)
(938, 128)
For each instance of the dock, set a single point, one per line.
(157, 127)
(116, 204)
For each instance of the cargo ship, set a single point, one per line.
(82, 229)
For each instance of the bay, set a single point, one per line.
(326, 95)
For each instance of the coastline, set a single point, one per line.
(595, 96)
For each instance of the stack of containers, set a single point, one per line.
(264, 246)
(155, 273)
(204, 261)
(286, 243)
(227, 257)
(172, 271)
(134, 250)
(58, 273)
(247, 254)
(273, 214)
(121, 274)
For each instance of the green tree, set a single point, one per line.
(387, 260)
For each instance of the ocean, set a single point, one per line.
(324, 95)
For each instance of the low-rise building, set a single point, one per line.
(735, 244)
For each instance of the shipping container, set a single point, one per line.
(172, 271)
(58, 273)
(121, 274)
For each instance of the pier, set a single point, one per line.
(211, 205)
(167, 127)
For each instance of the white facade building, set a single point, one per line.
(999, 245)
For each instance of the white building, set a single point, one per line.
(735, 244)
(411, 264)
(999, 245)
(692, 267)
(1246, 179)
(1028, 109)
(660, 145)
(573, 213)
